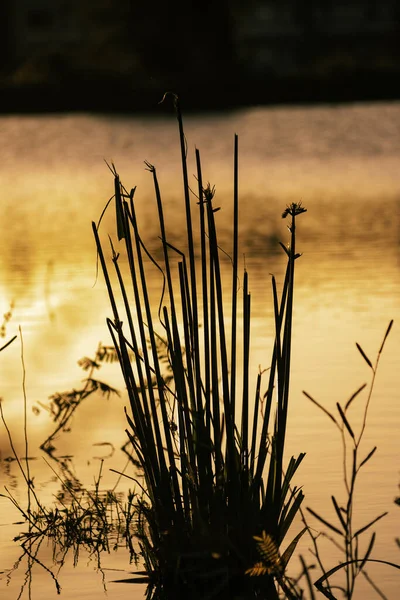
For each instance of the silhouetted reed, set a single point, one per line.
(217, 503)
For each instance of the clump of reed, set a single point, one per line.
(217, 501)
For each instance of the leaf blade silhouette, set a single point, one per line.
(362, 529)
(365, 357)
(324, 521)
(345, 421)
(369, 455)
(353, 396)
(328, 414)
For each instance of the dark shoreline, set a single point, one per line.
(124, 97)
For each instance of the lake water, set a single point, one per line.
(342, 162)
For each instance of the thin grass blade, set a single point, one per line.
(385, 336)
(365, 357)
(328, 414)
(339, 513)
(369, 550)
(324, 521)
(360, 531)
(345, 421)
(353, 396)
(369, 455)
(8, 343)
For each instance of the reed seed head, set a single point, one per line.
(293, 210)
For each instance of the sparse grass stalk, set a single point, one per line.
(347, 538)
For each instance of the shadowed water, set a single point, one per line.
(342, 162)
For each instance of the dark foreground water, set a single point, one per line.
(341, 161)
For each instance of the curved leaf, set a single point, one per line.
(350, 400)
(286, 556)
(325, 576)
(369, 550)
(369, 455)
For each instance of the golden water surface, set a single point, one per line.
(342, 162)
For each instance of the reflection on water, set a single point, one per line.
(82, 526)
(342, 162)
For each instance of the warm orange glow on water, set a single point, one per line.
(348, 282)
